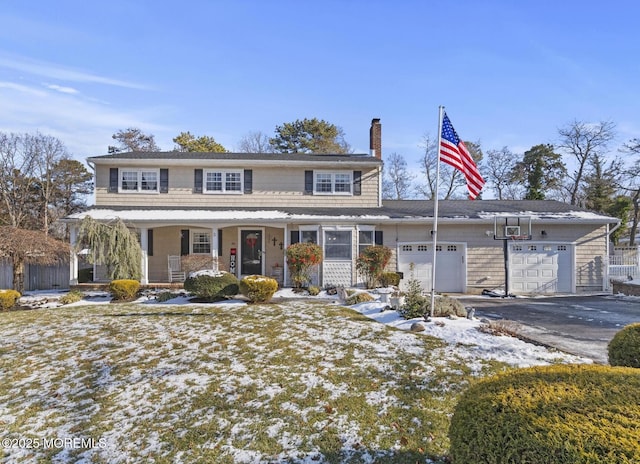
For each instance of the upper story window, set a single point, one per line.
(139, 180)
(223, 181)
(333, 183)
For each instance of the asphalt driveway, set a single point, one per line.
(581, 325)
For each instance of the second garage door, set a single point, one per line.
(450, 265)
(541, 268)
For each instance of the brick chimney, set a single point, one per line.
(375, 138)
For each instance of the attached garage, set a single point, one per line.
(541, 267)
(450, 265)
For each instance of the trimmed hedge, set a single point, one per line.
(624, 348)
(212, 287)
(124, 289)
(258, 288)
(557, 414)
(8, 299)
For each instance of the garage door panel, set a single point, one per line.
(450, 266)
(540, 269)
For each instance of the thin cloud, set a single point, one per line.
(54, 71)
(62, 89)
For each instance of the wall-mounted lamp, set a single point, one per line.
(488, 233)
(543, 233)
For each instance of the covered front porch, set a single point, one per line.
(170, 252)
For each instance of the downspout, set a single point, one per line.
(606, 283)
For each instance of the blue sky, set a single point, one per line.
(509, 73)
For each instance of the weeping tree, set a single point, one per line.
(22, 247)
(112, 245)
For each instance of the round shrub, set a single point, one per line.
(624, 348)
(258, 288)
(124, 289)
(8, 299)
(212, 287)
(389, 279)
(557, 414)
(313, 290)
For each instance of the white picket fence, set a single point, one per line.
(36, 277)
(624, 264)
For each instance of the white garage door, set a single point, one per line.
(450, 268)
(541, 268)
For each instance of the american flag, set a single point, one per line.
(454, 153)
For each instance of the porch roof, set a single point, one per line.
(391, 211)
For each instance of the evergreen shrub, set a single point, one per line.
(258, 288)
(560, 414)
(212, 287)
(624, 348)
(389, 279)
(124, 289)
(8, 299)
(313, 290)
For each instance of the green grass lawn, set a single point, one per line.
(275, 383)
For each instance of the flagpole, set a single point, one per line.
(434, 232)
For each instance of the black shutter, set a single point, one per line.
(295, 237)
(149, 242)
(378, 237)
(164, 181)
(113, 180)
(308, 182)
(184, 242)
(357, 182)
(197, 181)
(219, 243)
(248, 181)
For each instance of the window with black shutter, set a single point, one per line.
(378, 237)
(164, 181)
(113, 180)
(308, 182)
(197, 181)
(357, 182)
(248, 181)
(295, 237)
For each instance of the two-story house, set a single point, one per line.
(246, 208)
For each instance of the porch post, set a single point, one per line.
(73, 258)
(214, 248)
(144, 265)
(285, 268)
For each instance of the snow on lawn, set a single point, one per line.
(278, 383)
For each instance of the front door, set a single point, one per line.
(251, 252)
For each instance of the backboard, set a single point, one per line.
(512, 228)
